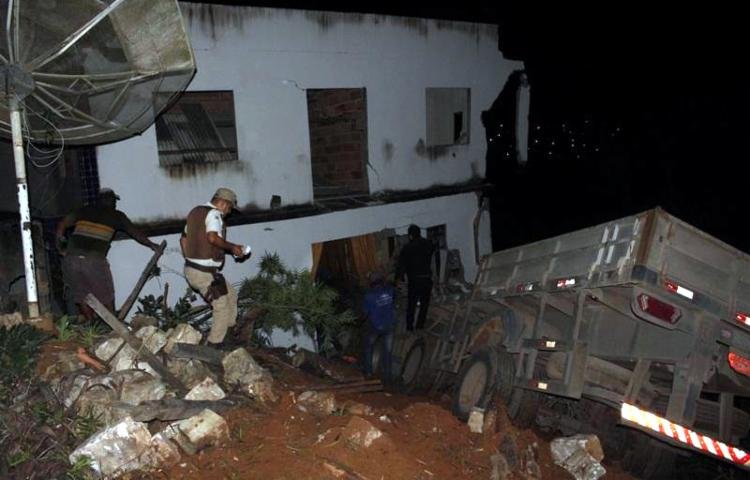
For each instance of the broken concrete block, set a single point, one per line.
(189, 372)
(320, 404)
(242, 370)
(117, 449)
(182, 333)
(360, 432)
(162, 453)
(108, 348)
(476, 420)
(127, 359)
(143, 387)
(579, 455)
(206, 390)
(358, 409)
(152, 338)
(203, 430)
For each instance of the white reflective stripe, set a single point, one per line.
(681, 433)
(684, 292)
(695, 440)
(709, 444)
(725, 451)
(653, 421)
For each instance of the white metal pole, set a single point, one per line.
(23, 208)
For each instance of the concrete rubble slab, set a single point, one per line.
(189, 372)
(579, 455)
(182, 333)
(163, 452)
(140, 388)
(206, 390)
(361, 433)
(242, 370)
(320, 404)
(108, 348)
(152, 338)
(117, 449)
(203, 430)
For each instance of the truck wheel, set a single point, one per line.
(649, 459)
(412, 366)
(522, 405)
(476, 383)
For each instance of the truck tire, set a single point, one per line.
(412, 366)
(522, 405)
(476, 383)
(650, 459)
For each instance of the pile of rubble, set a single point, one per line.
(159, 395)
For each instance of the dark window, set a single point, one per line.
(198, 129)
(447, 116)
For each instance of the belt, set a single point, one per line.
(201, 268)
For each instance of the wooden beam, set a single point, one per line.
(197, 352)
(122, 330)
(125, 309)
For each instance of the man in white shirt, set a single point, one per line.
(204, 245)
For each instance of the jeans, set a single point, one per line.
(420, 291)
(386, 353)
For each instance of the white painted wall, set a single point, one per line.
(292, 240)
(269, 56)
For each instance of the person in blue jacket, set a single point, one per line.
(379, 308)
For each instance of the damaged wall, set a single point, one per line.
(293, 239)
(269, 57)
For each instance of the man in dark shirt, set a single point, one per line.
(378, 307)
(85, 266)
(414, 261)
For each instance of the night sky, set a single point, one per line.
(631, 107)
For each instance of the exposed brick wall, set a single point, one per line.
(338, 140)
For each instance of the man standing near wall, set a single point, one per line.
(85, 266)
(378, 306)
(414, 260)
(204, 245)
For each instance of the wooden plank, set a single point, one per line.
(141, 282)
(197, 352)
(170, 409)
(121, 330)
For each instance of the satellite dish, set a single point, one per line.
(75, 72)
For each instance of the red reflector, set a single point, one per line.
(671, 286)
(743, 318)
(661, 310)
(739, 364)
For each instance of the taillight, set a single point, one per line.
(656, 308)
(679, 290)
(566, 283)
(739, 364)
(742, 318)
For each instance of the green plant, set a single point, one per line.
(166, 316)
(65, 329)
(291, 299)
(89, 334)
(86, 424)
(18, 348)
(80, 470)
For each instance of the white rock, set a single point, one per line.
(242, 370)
(206, 390)
(579, 455)
(182, 333)
(360, 432)
(190, 372)
(476, 420)
(153, 338)
(317, 403)
(117, 449)
(142, 388)
(107, 349)
(203, 430)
